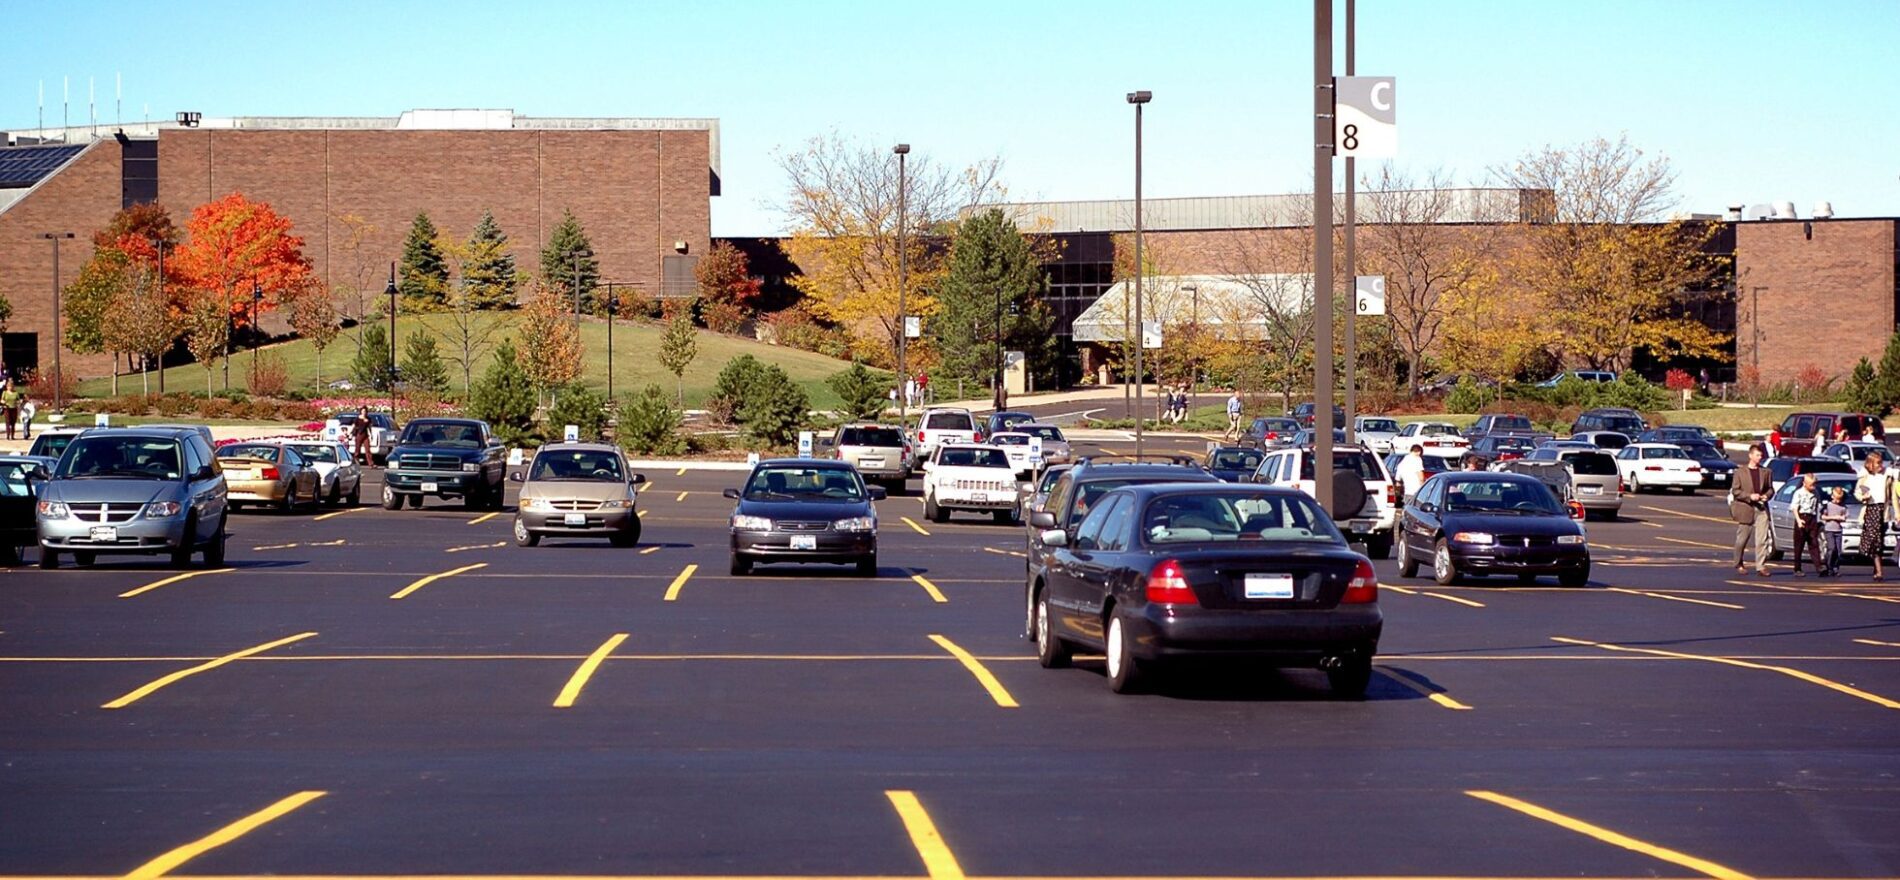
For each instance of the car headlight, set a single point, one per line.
(616, 504)
(52, 510)
(1569, 539)
(751, 523)
(857, 524)
(539, 504)
(471, 467)
(1474, 538)
(161, 509)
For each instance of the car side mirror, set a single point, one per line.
(1427, 507)
(518, 477)
(203, 473)
(877, 492)
(1055, 538)
(1043, 519)
(638, 479)
(731, 493)
(825, 443)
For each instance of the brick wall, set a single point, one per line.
(79, 199)
(1823, 293)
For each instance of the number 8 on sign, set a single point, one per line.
(1365, 117)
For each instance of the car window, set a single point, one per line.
(1380, 425)
(1510, 423)
(593, 465)
(1010, 439)
(317, 452)
(259, 451)
(1114, 535)
(1804, 426)
(944, 421)
(963, 456)
(1046, 432)
(872, 437)
(1365, 464)
(1500, 496)
(1663, 452)
(1236, 459)
(1591, 464)
(1179, 519)
(1786, 491)
(442, 434)
(1059, 495)
(135, 458)
(798, 484)
(1087, 534)
(13, 482)
(1009, 421)
(294, 458)
(1049, 479)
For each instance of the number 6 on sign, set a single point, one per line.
(1369, 294)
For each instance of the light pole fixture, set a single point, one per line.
(903, 283)
(613, 305)
(1138, 99)
(1323, 105)
(59, 374)
(391, 290)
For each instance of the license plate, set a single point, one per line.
(1721, 478)
(105, 534)
(1269, 586)
(431, 487)
(1361, 525)
(870, 462)
(980, 497)
(804, 542)
(1590, 490)
(575, 519)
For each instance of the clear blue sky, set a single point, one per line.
(1752, 101)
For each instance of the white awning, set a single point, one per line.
(1235, 304)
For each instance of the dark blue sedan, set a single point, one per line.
(1487, 523)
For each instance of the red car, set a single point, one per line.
(1795, 436)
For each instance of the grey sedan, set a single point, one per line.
(1781, 519)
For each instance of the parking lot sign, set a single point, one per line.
(1365, 123)
(1369, 294)
(804, 444)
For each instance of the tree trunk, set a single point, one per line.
(145, 377)
(115, 374)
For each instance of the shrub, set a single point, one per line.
(722, 317)
(734, 382)
(649, 425)
(576, 404)
(862, 390)
(774, 408)
(301, 411)
(700, 443)
(175, 404)
(1811, 385)
(270, 376)
(40, 386)
(233, 395)
(1468, 397)
(504, 397)
(1678, 380)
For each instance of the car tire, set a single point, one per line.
(1379, 547)
(356, 493)
(49, 559)
(867, 567)
(1688, 490)
(336, 494)
(477, 497)
(391, 500)
(1408, 567)
(624, 539)
(1125, 674)
(1051, 651)
(497, 496)
(289, 503)
(181, 556)
(1350, 678)
(84, 558)
(1774, 547)
(1574, 578)
(740, 566)
(930, 508)
(1444, 570)
(214, 551)
(523, 537)
(1526, 578)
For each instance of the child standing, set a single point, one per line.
(1833, 513)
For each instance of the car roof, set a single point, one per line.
(1007, 434)
(444, 420)
(578, 447)
(1150, 490)
(812, 462)
(1653, 445)
(1038, 425)
(1011, 412)
(1114, 469)
(143, 431)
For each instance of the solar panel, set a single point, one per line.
(24, 166)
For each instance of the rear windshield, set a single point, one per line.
(1433, 429)
(1182, 519)
(1365, 464)
(1046, 432)
(1500, 496)
(259, 451)
(949, 422)
(1591, 464)
(964, 457)
(322, 452)
(1011, 439)
(1510, 423)
(1090, 492)
(1379, 425)
(1624, 424)
(1663, 452)
(1703, 452)
(872, 437)
(51, 445)
(1264, 425)
(1236, 459)
(130, 458)
(1009, 421)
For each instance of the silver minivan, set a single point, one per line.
(150, 491)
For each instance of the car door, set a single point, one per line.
(1097, 579)
(1071, 593)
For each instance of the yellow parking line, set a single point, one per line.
(572, 690)
(1814, 592)
(976, 667)
(1438, 697)
(323, 516)
(1878, 642)
(172, 580)
(939, 862)
(423, 582)
(1654, 525)
(1016, 553)
(680, 497)
(680, 473)
(673, 590)
(1726, 522)
(1693, 543)
(336, 543)
(476, 547)
(642, 514)
(1457, 599)
(483, 518)
(176, 858)
(653, 549)
(1700, 866)
(274, 547)
(206, 666)
(1808, 677)
(1677, 598)
(914, 526)
(1398, 589)
(935, 594)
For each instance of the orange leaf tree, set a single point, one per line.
(235, 244)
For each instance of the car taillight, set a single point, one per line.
(1167, 585)
(920, 436)
(1363, 588)
(1576, 509)
(270, 473)
(977, 437)
(1392, 494)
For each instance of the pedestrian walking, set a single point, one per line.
(1233, 415)
(28, 409)
(1807, 525)
(10, 405)
(1179, 403)
(1412, 473)
(1748, 506)
(359, 437)
(1820, 440)
(923, 387)
(1833, 516)
(1874, 490)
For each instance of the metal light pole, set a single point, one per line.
(613, 305)
(1138, 99)
(59, 373)
(1323, 252)
(162, 298)
(1352, 268)
(903, 285)
(998, 399)
(257, 299)
(391, 290)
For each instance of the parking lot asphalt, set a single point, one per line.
(398, 693)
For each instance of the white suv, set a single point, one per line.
(970, 476)
(1374, 522)
(939, 425)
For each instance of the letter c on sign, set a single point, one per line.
(1382, 103)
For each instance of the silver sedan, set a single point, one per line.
(1781, 516)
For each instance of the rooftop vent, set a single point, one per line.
(1785, 211)
(1823, 210)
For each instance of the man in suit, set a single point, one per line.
(1748, 504)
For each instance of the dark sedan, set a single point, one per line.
(1492, 523)
(1269, 432)
(804, 510)
(1233, 464)
(998, 422)
(1167, 571)
(1717, 470)
(1502, 447)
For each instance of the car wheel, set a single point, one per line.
(356, 493)
(1774, 545)
(1379, 547)
(523, 537)
(1350, 677)
(1575, 577)
(391, 500)
(1408, 567)
(930, 508)
(1125, 675)
(867, 567)
(1051, 651)
(336, 494)
(84, 558)
(1444, 571)
(1688, 490)
(181, 556)
(214, 551)
(497, 496)
(233, 506)
(626, 538)
(290, 499)
(477, 497)
(49, 559)
(741, 566)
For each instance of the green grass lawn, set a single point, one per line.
(636, 361)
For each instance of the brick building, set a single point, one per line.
(641, 187)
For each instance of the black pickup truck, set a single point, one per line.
(445, 458)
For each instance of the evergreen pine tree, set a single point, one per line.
(504, 397)
(1863, 390)
(489, 272)
(1888, 384)
(423, 279)
(422, 365)
(567, 244)
(993, 279)
(370, 367)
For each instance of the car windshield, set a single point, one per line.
(1009, 421)
(1510, 423)
(51, 445)
(967, 457)
(1513, 443)
(871, 437)
(131, 458)
(1010, 439)
(1591, 464)
(593, 465)
(318, 452)
(13, 482)
(1500, 496)
(1663, 452)
(804, 484)
(259, 451)
(1385, 426)
(1264, 425)
(1236, 460)
(1182, 519)
(949, 422)
(1703, 452)
(1046, 432)
(442, 434)
(1622, 424)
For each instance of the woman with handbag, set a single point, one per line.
(1874, 490)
